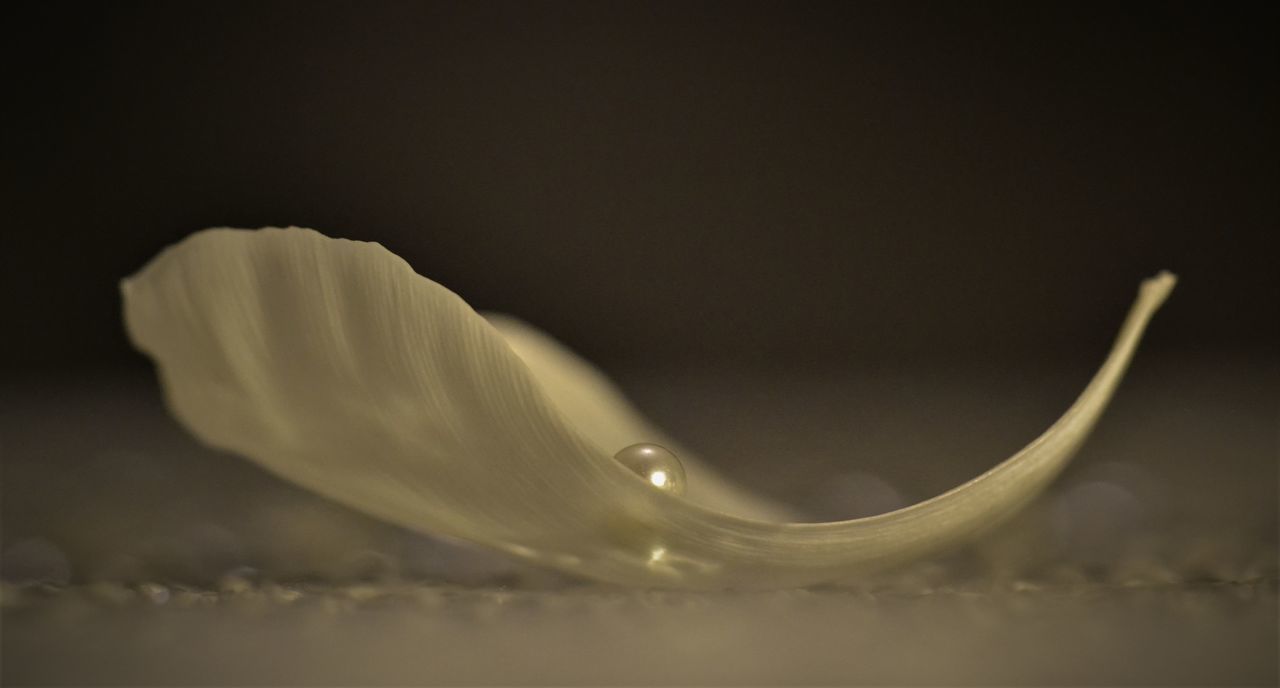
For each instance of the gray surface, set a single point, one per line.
(1153, 560)
(1167, 635)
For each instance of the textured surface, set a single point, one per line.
(1151, 561)
(410, 635)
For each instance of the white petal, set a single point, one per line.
(331, 363)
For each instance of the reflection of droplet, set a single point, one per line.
(35, 560)
(656, 464)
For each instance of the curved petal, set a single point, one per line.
(333, 364)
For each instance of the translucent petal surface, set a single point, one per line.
(331, 363)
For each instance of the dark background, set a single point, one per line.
(667, 183)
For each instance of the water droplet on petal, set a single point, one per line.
(656, 464)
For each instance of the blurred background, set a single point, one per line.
(854, 253)
(689, 182)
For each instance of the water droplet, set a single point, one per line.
(656, 464)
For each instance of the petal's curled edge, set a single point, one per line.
(331, 363)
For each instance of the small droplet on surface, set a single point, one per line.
(656, 464)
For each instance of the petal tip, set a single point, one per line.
(1159, 287)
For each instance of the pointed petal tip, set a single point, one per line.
(1160, 286)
